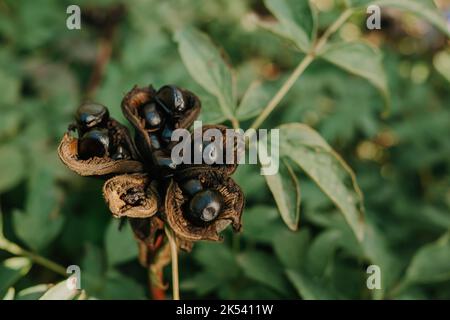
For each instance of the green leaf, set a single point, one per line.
(119, 286)
(377, 250)
(202, 283)
(424, 9)
(120, 245)
(253, 101)
(318, 160)
(205, 64)
(10, 122)
(297, 21)
(41, 210)
(291, 247)
(32, 293)
(441, 62)
(93, 270)
(10, 293)
(262, 224)
(12, 162)
(61, 291)
(431, 263)
(218, 260)
(359, 59)
(10, 87)
(285, 189)
(321, 251)
(11, 270)
(309, 288)
(261, 267)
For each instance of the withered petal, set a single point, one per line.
(68, 153)
(230, 214)
(131, 195)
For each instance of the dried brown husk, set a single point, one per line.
(136, 98)
(131, 195)
(68, 153)
(230, 213)
(120, 136)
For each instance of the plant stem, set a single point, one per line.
(174, 256)
(14, 249)
(273, 103)
(235, 123)
(306, 61)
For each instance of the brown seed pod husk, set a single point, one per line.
(131, 195)
(68, 153)
(224, 168)
(136, 98)
(121, 136)
(231, 211)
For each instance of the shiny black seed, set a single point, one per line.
(171, 99)
(165, 162)
(153, 117)
(191, 187)
(155, 141)
(166, 134)
(205, 206)
(91, 114)
(121, 153)
(94, 143)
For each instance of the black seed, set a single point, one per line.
(155, 141)
(191, 187)
(153, 118)
(121, 153)
(94, 143)
(166, 134)
(205, 206)
(171, 99)
(165, 162)
(91, 115)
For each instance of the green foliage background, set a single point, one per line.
(401, 161)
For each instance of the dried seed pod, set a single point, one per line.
(134, 102)
(230, 211)
(211, 155)
(68, 153)
(131, 196)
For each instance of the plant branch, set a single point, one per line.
(103, 57)
(306, 61)
(14, 249)
(174, 256)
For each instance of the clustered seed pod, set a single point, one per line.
(196, 201)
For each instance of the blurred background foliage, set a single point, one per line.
(401, 162)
